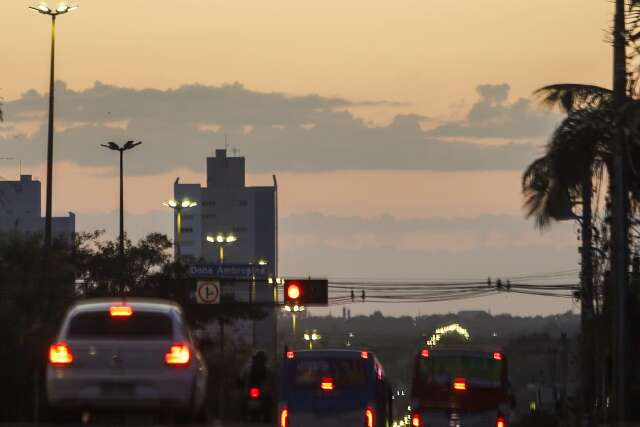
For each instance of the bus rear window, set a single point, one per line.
(139, 326)
(441, 368)
(344, 372)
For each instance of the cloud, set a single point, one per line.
(278, 132)
(493, 117)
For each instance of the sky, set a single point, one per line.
(398, 129)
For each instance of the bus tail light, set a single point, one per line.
(284, 418)
(178, 355)
(326, 384)
(254, 393)
(500, 422)
(60, 354)
(415, 420)
(369, 417)
(460, 384)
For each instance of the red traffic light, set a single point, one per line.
(293, 291)
(303, 292)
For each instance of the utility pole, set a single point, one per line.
(619, 226)
(586, 304)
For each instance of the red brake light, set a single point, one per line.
(293, 291)
(368, 417)
(290, 354)
(500, 422)
(254, 392)
(497, 356)
(60, 354)
(178, 355)
(415, 420)
(284, 418)
(120, 311)
(460, 384)
(326, 384)
(424, 353)
(364, 355)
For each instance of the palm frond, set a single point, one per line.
(571, 96)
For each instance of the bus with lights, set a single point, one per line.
(462, 386)
(333, 388)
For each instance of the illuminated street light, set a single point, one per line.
(178, 207)
(311, 337)
(262, 261)
(46, 10)
(221, 240)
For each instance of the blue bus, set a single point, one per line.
(333, 387)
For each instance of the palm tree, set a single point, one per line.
(578, 149)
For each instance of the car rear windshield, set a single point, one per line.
(344, 372)
(140, 325)
(442, 368)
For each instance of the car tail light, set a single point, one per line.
(254, 392)
(460, 384)
(500, 422)
(497, 356)
(368, 417)
(284, 418)
(178, 355)
(326, 384)
(120, 311)
(364, 355)
(290, 354)
(415, 420)
(60, 354)
(424, 353)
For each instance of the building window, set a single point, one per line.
(186, 243)
(209, 203)
(240, 229)
(187, 216)
(209, 216)
(243, 203)
(187, 230)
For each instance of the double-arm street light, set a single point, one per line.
(178, 207)
(53, 13)
(121, 149)
(311, 337)
(221, 240)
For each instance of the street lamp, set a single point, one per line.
(221, 240)
(53, 13)
(121, 149)
(178, 207)
(311, 337)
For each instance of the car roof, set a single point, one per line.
(331, 353)
(466, 348)
(143, 304)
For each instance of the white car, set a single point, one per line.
(126, 354)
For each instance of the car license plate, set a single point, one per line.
(117, 389)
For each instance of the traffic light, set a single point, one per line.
(306, 292)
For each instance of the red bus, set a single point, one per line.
(461, 386)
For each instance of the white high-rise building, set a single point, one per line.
(20, 206)
(226, 205)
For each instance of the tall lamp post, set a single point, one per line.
(221, 240)
(53, 13)
(177, 208)
(121, 149)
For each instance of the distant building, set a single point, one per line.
(20, 210)
(226, 205)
